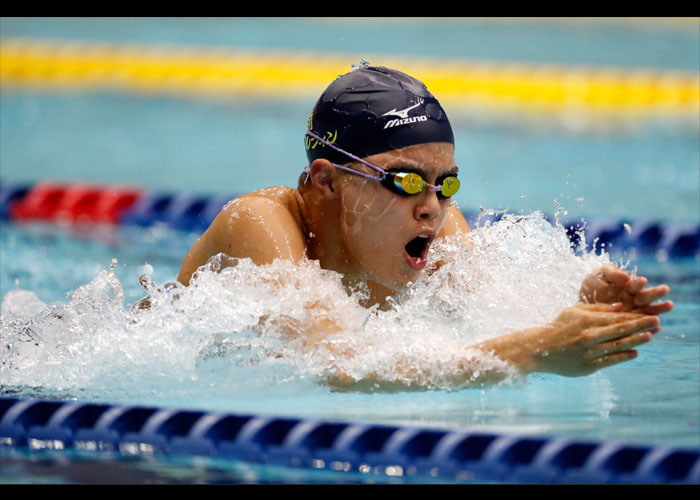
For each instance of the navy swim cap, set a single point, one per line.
(372, 110)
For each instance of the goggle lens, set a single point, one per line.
(412, 183)
(450, 186)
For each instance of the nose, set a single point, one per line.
(428, 206)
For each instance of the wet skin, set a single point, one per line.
(372, 236)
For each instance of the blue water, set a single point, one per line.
(211, 146)
(649, 170)
(658, 404)
(668, 44)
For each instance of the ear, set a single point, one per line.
(323, 177)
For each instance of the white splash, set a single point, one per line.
(226, 326)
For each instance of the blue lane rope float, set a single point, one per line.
(358, 448)
(49, 201)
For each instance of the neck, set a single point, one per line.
(324, 243)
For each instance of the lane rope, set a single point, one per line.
(358, 448)
(47, 64)
(95, 204)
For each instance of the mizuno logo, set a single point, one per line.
(403, 118)
(404, 121)
(404, 112)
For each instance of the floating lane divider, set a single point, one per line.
(74, 203)
(84, 203)
(87, 203)
(51, 64)
(359, 448)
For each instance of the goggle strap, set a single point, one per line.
(349, 155)
(307, 170)
(361, 174)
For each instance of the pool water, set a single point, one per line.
(216, 148)
(653, 399)
(69, 467)
(96, 350)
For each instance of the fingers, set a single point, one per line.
(620, 345)
(603, 314)
(600, 306)
(656, 309)
(641, 298)
(615, 275)
(622, 329)
(649, 295)
(636, 285)
(619, 312)
(618, 351)
(614, 359)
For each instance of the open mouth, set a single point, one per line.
(416, 251)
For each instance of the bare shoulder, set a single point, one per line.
(455, 223)
(262, 225)
(260, 205)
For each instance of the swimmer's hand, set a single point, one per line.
(611, 284)
(583, 339)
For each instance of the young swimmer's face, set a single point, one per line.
(387, 236)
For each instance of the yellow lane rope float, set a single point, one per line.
(68, 65)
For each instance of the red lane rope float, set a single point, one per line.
(50, 201)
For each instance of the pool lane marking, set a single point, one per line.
(185, 70)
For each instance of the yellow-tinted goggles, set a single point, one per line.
(410, 183)
(400, 182)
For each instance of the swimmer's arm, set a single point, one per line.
(250, 227)
(580, 341)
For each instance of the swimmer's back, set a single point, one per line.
(263, 225)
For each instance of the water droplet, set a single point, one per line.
(364, 63)
(147, 283)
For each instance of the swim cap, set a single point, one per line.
(372, 110)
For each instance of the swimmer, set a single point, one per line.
(377, 192)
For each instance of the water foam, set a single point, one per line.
(231, 325)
